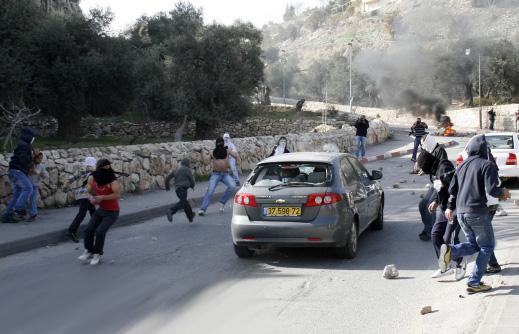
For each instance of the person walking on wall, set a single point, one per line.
(19, 166)
(232, 161)
(105, 192)
(82, 197)
(418, 129)
(361, 126)
(491, 119)
(184, 180)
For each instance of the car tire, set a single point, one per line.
(243, 252)
(378, 224)
(349, 251)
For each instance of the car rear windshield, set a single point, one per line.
(286, 173)
(500, 142)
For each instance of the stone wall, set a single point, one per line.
(462, 118)
(148, 164)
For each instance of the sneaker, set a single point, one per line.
(424, 236)
(445, 257)
(73, 236)
(222, 207)
(461, 270)
(169, 215)
(95, 259)
(478, 288)
(501, 213)
(439, 273)
(31, 219)
(85, 256)
(493, 269)
(201, 212)
(20, 215)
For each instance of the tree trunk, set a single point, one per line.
(69, 127)
(179, 134)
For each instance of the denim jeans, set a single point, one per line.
(22, 188)
(444, 233)
(480, 238)
(95, 233)
(361, 147)
(234, 170)
(417, 142)
(33, 200)
(427, 217)
(216, 178)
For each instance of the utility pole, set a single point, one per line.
(480, 109)
(350, 44)
(283, 63)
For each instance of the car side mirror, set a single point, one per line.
(376, 175)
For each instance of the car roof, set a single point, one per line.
(322, 157)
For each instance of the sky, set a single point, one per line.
(259, 12)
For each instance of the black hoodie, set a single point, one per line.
(473, 179)
(438, 167)
(22, 155)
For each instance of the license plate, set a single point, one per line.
(282, 211)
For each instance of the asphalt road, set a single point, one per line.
(159, 277)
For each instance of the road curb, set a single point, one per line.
(56, 237)
(400, 153)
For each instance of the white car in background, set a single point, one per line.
(505, 149)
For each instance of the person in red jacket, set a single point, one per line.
(104, 191)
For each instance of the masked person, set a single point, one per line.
(82, 197)
(220, 161)
(232, 161)
(475, 177)
(361, 134)
(430, 145)
(104, 191)
(183, 181)
(281, 147)
(443, 231)
(38, 171)
(19, 166)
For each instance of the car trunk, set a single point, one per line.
(285, 204)
(501, 157)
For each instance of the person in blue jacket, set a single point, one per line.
(19, 166)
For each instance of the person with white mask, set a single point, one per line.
(232, 161)
(281, 147)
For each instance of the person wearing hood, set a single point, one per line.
(437, 152)
(475, 177)
(19, 167)
(82, 198)
(441, 172)
(183, 181)
(105, 192)
(220, 161)
(281, 147)
(232, 161)
(361, 126)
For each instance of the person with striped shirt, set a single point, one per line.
(418, 130)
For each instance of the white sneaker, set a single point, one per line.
(501, 213)
(201, 212)
(439, 273)
(222, 207)
(85, 256)
(95, 260)
(461, 271)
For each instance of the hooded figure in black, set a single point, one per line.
(19, 166)
(183, 181)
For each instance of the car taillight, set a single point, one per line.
(512, 159)
(323, 199)
(245, 200)
(459, 160)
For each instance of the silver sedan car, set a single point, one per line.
(307, 200)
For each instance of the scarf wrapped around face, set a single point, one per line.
(427, 162)
(102, 175)
(220, 152)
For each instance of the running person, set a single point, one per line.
(82, 199)
(104, 189)
(183, 181)
(232, 161)
(220, 160)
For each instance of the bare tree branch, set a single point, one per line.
(14, 117)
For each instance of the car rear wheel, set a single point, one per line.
(243, 252)
(349, 251)
(378, 224)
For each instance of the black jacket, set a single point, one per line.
(444, 173)
(474, 178)
(22, 155)
(183, 177)
(362, 127)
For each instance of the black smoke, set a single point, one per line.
(422, 106)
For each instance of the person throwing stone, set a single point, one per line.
(476, 177)
(220, 161)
